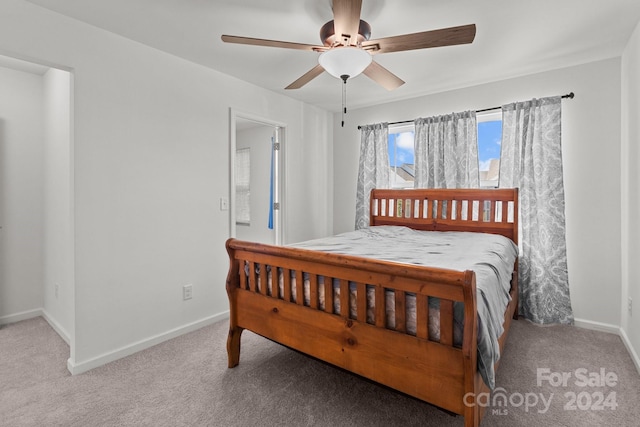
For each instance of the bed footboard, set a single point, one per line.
(437, 372)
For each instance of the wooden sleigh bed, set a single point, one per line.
(440, 373)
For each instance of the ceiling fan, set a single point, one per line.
(347, 50)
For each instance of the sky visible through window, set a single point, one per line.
(401, 148)
(489, 142)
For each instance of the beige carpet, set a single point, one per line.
(185, 382)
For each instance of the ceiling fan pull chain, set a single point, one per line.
(344, 78)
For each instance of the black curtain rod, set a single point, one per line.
(570, 95)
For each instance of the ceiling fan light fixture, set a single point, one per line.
(349, 61)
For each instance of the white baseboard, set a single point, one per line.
(630, 349)
(38, 312)
(604, 327)
(78, 368)
(597, 326)
(19, 317)
(56, 326)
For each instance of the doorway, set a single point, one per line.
(256, 152)
(36, 196)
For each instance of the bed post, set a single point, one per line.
(470, 352)
(233, 278)
(372, 209)
(515, 291)
(516, 229)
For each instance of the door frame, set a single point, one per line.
(280, 130)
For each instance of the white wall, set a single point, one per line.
(591, 150)
(151, 160)
(258, 141)
(57, 280)
(631, 193)
(21, 157)
(308, 214)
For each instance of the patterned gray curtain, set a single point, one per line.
(373, 170)
(531, 160)
(446, 151)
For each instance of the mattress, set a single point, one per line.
(490, 256)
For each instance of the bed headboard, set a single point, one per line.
(480, 210)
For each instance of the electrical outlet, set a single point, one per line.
(630, 306)
(224, 204)
(187, 292)
(56, 288)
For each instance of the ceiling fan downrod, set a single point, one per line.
(344, 78)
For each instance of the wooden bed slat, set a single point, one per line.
(286, 284)
(446, 322)
(328, 294)
(252, 277)
(263, 279)
(492, 211)
(401, 311)
(361, 295)
(313, 290)
(422, 316)
(299, 287)
(272, 277)
(344, 298)
(381, 315)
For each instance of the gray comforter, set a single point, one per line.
(490, 256)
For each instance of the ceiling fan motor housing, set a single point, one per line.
(328, 36)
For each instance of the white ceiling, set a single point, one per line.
(514, 37)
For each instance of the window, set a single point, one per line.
(401, 157)
(243, 187)
(489, 145)
(401, 151)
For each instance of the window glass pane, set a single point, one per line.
(243, 187)
(489, 144)
(401, 158)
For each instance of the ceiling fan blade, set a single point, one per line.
(382, 76)
(271, 43)
(306, 77)
(346, 19)
(435, 38)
